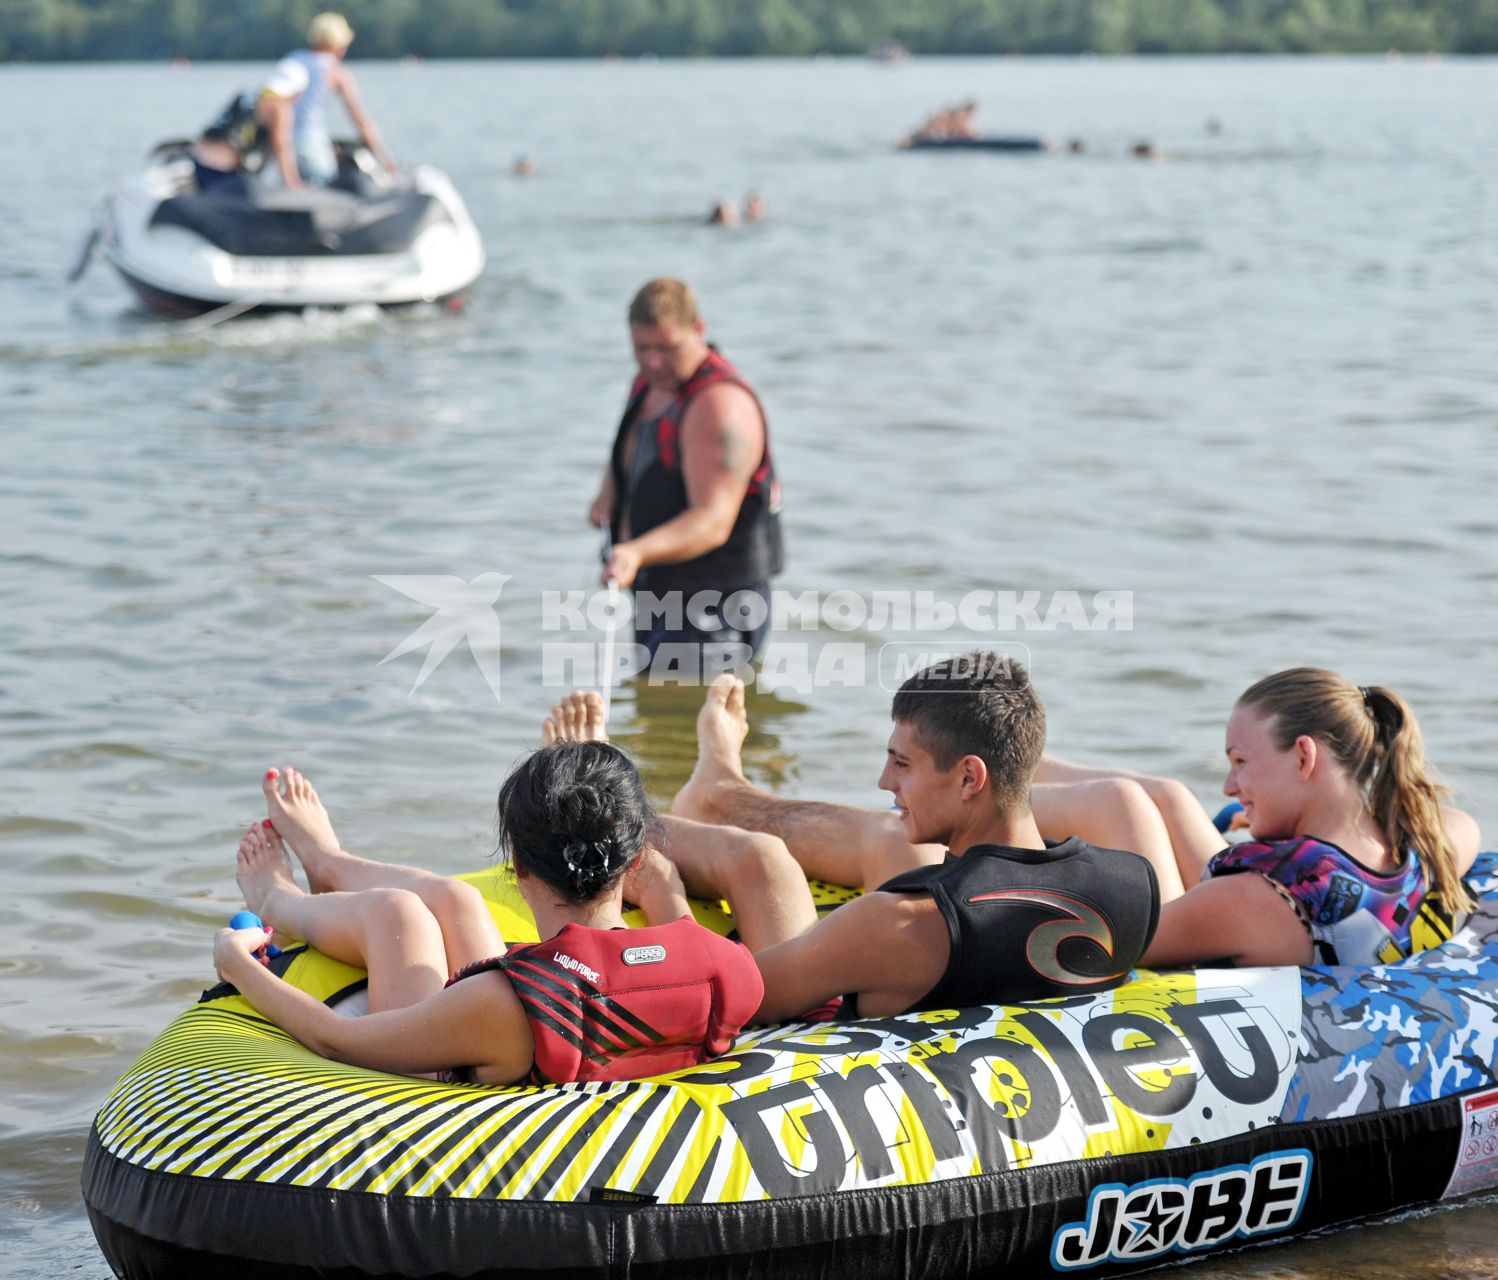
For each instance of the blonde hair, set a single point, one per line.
(329, 31)
(1373, 734)
(664, 299)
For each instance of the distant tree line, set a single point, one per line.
(127, 29)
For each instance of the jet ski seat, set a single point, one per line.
(297, 224)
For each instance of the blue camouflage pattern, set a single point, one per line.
(1386, 1036)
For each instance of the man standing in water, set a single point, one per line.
(690, 495)
(293, 105)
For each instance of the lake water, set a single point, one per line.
(1252, 386)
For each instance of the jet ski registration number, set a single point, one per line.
(266, 270)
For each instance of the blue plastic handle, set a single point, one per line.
(249, 920)
(1222, 821)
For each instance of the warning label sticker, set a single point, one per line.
(1477, 1157)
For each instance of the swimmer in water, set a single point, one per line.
(723, 214)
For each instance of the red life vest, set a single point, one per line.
(655, 492)
(619, 1004)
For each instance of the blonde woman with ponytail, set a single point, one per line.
(1349, 835)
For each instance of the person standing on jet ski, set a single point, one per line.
(293, 106)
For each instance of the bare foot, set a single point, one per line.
(263, 873)
(301, 820)
(579, 717)
(595, 717)
(722, 726)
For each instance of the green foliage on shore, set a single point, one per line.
(123, 29)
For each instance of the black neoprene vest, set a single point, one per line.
(657, 492)
(1025, 924)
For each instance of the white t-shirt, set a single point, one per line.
(288, 79)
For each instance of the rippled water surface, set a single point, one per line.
(1252, 385)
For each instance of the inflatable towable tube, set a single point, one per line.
(1181, 1113)
(975, 144)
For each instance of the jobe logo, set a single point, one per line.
(1133, 1223)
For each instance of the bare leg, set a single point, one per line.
(764, 885)
(654, 885)
(1113, 813)
(388, 932)
(1192, 836)
(837, 843)
(298, 815)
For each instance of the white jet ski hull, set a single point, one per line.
(176, 270)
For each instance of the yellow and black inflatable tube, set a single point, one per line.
(1178, 1114)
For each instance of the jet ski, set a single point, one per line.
(191, 240)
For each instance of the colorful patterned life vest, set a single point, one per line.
(619, 1004)
(1355, 915)
(653, 490)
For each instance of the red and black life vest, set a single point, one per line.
(619, 1004)
(654, 491)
